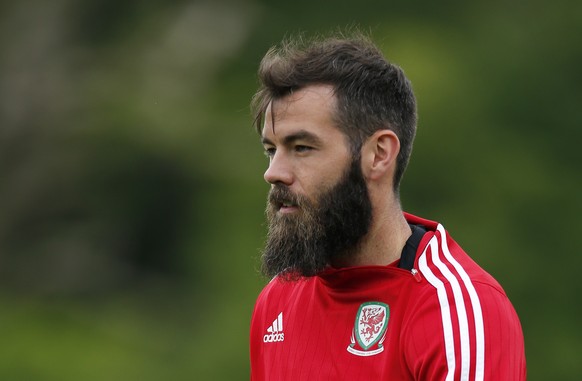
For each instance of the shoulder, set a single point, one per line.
(278, 287)
(461, 315)
(459, 286)
(278, 291)
(442, 261)
(271, 290)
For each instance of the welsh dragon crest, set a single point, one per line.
(369, 329)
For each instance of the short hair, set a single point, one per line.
(371, 93)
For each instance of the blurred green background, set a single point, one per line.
(131, 190)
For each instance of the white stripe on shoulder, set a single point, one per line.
(475, 304)
(444, 304)
(459, 304)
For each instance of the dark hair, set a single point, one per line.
(371, 93)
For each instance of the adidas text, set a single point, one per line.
(273, 337)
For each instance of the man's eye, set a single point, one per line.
(301, 148)
(269, 151)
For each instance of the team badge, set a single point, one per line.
(369, 329)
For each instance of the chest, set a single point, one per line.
(316, 333)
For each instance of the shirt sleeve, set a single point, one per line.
(447, 337)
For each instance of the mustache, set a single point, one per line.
(280, 194)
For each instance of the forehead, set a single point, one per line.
(311, 108)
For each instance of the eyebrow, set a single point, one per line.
(299, 135)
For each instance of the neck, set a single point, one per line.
(384, 241)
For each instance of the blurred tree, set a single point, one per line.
(130, 177)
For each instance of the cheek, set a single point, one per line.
(322, 180)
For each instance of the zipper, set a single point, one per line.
(416, 275)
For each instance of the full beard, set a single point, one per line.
(304, 243)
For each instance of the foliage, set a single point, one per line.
(131, 188)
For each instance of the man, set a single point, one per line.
(361, 290)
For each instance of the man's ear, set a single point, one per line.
(379, 154)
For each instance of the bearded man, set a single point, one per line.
(361, 290)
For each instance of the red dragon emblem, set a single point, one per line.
(371, 319)
(369, 329)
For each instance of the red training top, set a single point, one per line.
(443, 319)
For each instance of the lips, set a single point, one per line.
(282, 200)
(285, 206)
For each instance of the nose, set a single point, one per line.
(279, 171)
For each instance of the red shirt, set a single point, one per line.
(446, 319)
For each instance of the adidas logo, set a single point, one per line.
(275, 331)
